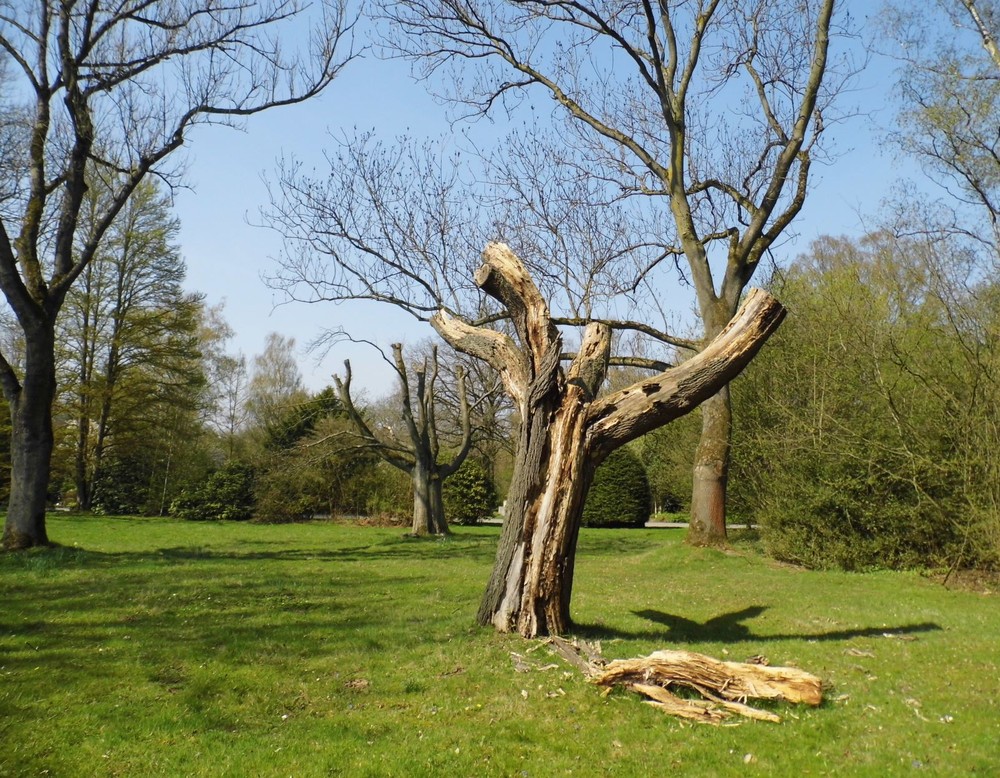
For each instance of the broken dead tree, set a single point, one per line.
(568, 427)
(724, 687)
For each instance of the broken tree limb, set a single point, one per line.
(724, 687)
(624, 415)
(567, 430)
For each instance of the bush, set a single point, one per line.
(620, 493)
(469, 494)
(853, 521)
(121, 487)
(227, 495)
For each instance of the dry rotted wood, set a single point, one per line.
(724, 686)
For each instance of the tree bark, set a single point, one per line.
(532, 581)
(428, 501)
(31, 443)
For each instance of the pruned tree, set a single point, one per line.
(491, 417)
(109, 93)
(648, 92)
(419, 454)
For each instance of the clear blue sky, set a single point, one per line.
(226, 256)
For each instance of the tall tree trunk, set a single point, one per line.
(421, 501)
(80, 461)
(710, 476)
(711, 473)
(31, 443)
(439, 522)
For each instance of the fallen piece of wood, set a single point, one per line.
(724, 686)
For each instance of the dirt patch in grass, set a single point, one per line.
(979, 581)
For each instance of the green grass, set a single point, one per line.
(152, 647)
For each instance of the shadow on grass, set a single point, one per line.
(403, 548)
(730, 628)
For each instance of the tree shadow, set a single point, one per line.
(403, 547)
(730, 628)
(727, 628)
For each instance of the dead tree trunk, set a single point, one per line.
(567, 431)
(419, 458)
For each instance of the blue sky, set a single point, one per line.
(226, 255)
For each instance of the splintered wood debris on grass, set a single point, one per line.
(724, 686)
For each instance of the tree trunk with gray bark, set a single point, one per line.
(31, 441)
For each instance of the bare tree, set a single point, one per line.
(714, 108)
(949, 89)
(110, 92)
(418, 456)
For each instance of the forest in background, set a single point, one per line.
(864, 433)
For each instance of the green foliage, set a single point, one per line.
(387, 491)
(320, 472)
(469, 494)
(131, 370)
(620, 494)
(121, 487)
(865, 430)
(275, 650)
(299, 421)
(667, 454)
(227, 495)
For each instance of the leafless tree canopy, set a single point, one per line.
(719, 105)
(109, 92)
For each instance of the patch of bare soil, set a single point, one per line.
(978, 581)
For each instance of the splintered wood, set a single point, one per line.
(724, 687)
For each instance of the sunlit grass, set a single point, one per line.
(163, 648)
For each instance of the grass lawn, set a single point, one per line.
(149, 647)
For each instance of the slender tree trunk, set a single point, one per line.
(711, 473)
(31, 444)
(80, 463)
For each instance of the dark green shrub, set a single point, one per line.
(227, 495)
(620, 494)
(469, 494)
(852, 520)
(121, 487)
(387, 491)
